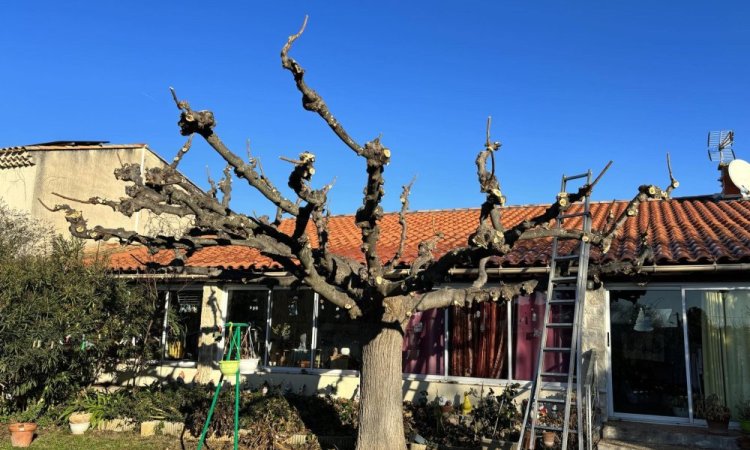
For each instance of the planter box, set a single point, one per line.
(116, 425)
(152, 427)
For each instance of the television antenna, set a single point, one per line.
(720, 146)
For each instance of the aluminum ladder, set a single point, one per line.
(556, 385)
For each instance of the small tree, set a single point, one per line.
(367, 290)
(62, 319)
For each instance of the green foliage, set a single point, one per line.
(743, 410)
(156, 402)
(493, 417)
(711, 408)
(61, 439)
(496, 416)
(63, 319)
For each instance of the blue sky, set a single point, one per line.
(570, 85)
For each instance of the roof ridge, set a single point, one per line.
(707, 197)
(33, 147)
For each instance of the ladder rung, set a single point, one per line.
(564, 279)
(554, 400)
(566, 257)
(554, 374)
(575, 177)
(548, 428)
(560, 388)
(568, 301)
(571, 215)
(556, 349)
(560, 325)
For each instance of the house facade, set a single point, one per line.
(665, 333)
(31, 174)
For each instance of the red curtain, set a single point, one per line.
(478, 340)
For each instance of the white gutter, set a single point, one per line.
(644, 269)
(491, 271)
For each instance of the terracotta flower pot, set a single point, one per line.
(548, 439)
(716, 427)
(21, 434)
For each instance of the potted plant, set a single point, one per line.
(548, 438)
(248, 357)
(743, 410)
(22, 426)
(716, 414)
(79, 422)
(21, 433)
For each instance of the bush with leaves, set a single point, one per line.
(63, 319)
(493, 417)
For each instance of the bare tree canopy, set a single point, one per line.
(367, 290)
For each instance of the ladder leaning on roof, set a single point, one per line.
(555, 382)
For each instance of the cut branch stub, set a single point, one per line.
(201, 122)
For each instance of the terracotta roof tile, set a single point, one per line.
(680, 231)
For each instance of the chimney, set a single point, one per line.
(728, 188)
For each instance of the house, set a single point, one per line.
(666, 332)
(81, 169)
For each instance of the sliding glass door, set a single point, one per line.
(670, 348)
(648, 353)
(719, 345)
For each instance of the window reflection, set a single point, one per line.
(338, 339)
(182, 324)
(291, 328)
(249, 306)
(648, 352)
(719, 342)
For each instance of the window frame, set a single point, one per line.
(168, 289)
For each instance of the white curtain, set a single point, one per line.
(726, 345)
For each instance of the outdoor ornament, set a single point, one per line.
(466, 406)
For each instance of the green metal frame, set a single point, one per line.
(234, 333)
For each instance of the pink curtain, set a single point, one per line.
(423, 348)
(529, 320)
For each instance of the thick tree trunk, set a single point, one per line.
(381, 400)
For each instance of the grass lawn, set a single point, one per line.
(61, 439)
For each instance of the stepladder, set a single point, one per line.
(551, 419)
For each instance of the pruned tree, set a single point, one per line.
(367, 290)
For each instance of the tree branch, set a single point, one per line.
(405, 191)
(311, 101)
(202, 122)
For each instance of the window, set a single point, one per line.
(423, 349)
(181, 323)
(478, 340)
(338, 345)
(719, 342)
(250, 307)
(648, 352)
(290, 330)
(290, 339)
(528, 321)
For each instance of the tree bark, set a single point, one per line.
(380, 408)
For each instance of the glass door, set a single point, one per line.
(648, 353)
(719, 344)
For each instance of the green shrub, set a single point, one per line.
(63, 319)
